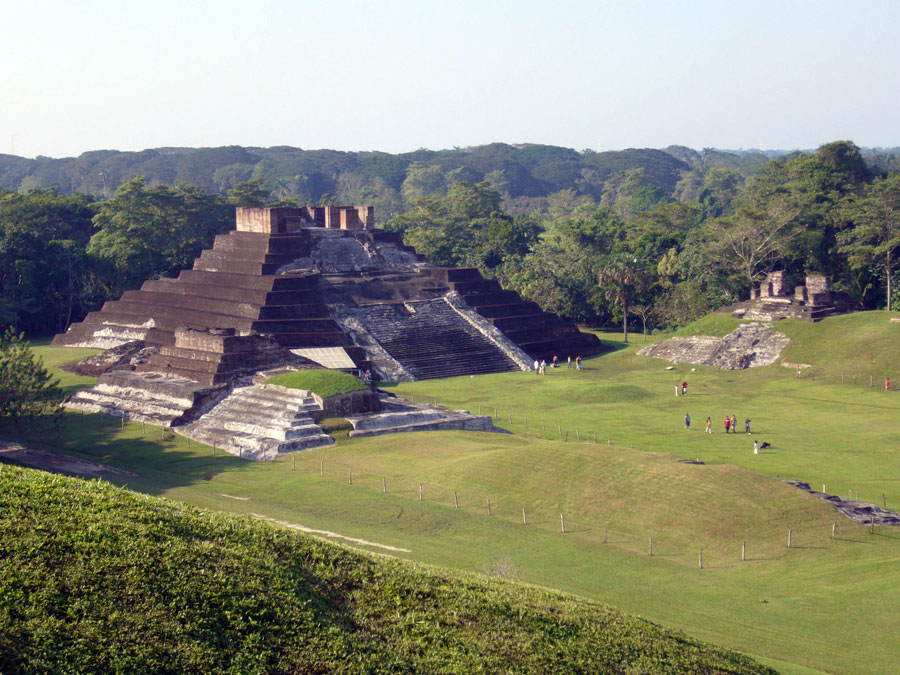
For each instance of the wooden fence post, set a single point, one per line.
(321, 467)
(490, 513)
(651, 546)
(456, 499)
(743, 550)
(833, 530)
(420, 492)
(293, 463)
(562, 519)
(790, 538)
(605, 534)
(701, 558)
(524, 516)
(383, 485)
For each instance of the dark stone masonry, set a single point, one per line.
(298, 288)
(285, 275)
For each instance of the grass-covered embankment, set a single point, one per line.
(96, 578)
(325, 383)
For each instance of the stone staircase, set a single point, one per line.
(402, 416)
(260, 422)
(144, 397)
(432, 340)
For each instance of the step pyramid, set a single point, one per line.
(305, 277)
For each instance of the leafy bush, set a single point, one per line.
(325, 383)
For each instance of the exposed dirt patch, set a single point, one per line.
(56, 463)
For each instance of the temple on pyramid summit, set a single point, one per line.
(326, 285)
(306, 288)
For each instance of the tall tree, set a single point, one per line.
(621, 278)
(873, 240)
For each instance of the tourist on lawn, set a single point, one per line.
(755, 447)
(727, 424)
(555, 360)
(537, 367)
(733, 424)
(747, 425)
(687, 421)
(543, 367)
(887, 384)
(569, 362)
(708, 425)
(684, 388)
(578, 362)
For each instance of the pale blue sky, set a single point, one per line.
(396, 76)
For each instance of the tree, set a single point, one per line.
(874, 239)
(27, 390)
(622, 277)
(145, 231)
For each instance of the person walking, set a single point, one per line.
(537, 367)
(755, 447)
(687, 421)
(555, 360)
(569, 362)
(543, 367)
(727, 424)
(733, 424)
(684, 388)
(887, 384)
(578, 362)
(708, 425)
(747, 425)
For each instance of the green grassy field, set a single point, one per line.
(99, 579)
(821, 605)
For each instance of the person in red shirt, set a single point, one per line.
(684, 388)
(727, 424)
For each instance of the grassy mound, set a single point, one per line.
(325, 383)
(715, 324)
(96, 578)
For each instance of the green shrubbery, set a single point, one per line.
(325, 383)
(95, 578)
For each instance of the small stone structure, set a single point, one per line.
(284, 220)
(748, 346)
(772, 300)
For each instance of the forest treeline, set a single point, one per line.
(662, 236)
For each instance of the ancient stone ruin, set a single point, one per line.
(294, 288)
(748, 346)
(773, 300)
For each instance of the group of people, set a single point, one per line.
(730, 424)
(540, 367)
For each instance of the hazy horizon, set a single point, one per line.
(355, 76)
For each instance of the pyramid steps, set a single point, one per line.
(260, 422)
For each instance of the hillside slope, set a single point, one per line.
(96, 578)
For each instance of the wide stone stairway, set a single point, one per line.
(260, 422)
(432, 340)
(145, 397)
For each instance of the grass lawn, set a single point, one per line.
(823, 604)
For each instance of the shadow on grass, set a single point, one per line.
(160, 464)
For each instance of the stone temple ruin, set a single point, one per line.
(773, 301)
(294, 288)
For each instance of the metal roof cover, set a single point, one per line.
(329, 357)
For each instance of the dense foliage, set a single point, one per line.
(323, 382)
(684, 231)
(99, 579)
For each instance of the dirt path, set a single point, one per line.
(330, 535)
(14, 453)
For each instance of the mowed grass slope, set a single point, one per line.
(827, 605)
(100, 579)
